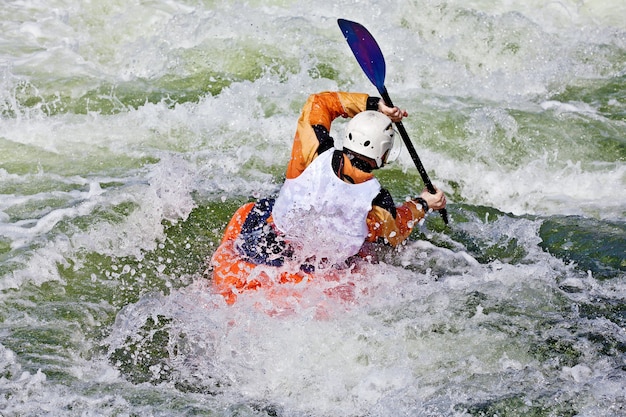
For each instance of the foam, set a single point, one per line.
(429, 330)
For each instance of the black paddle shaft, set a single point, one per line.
(372, 62)
(414, 156)
(410, 147)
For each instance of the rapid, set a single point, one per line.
(130, 132)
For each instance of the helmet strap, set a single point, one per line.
(361, 162)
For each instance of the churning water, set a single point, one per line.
(130, 131)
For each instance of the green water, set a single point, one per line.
(131, 131)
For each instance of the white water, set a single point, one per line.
(91, 165)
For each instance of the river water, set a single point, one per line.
(131, 130)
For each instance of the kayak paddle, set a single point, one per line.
(370, 58)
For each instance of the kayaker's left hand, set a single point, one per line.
(396, 114)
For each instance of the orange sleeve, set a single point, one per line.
(382, 225)
(320, 109)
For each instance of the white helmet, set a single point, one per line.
(370, 133)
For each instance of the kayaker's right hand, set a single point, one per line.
(435, 201)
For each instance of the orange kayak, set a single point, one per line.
(233, 275)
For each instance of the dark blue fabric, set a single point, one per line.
(258, 242)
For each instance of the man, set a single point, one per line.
(331, 204)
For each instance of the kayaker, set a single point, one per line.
(331, 207)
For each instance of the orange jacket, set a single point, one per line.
(386, 222)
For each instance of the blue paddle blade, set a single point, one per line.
(365, 50)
